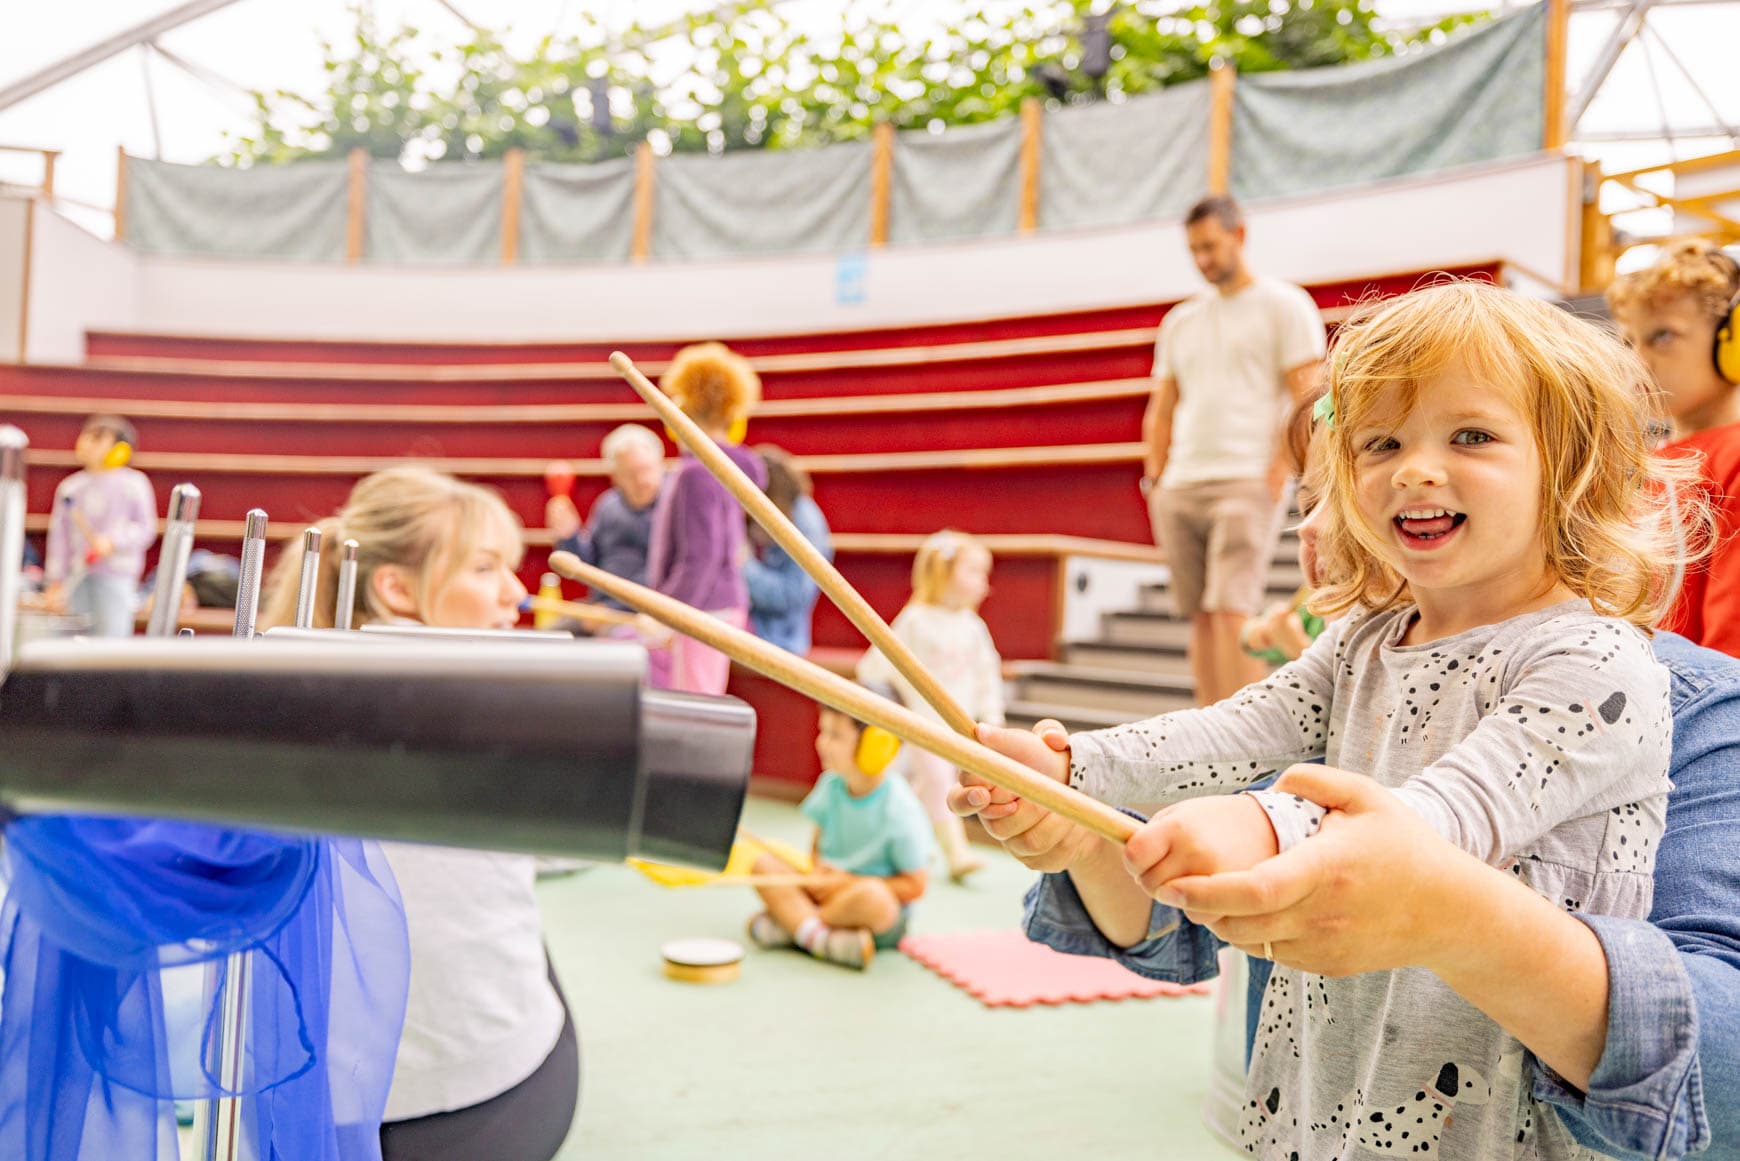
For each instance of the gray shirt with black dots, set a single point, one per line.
(1539, 744)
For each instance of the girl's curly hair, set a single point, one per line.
(712, 383)
(1617, 521)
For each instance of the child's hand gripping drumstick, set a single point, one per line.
(855, 701)
(786, 534)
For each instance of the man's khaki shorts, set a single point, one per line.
(1218, 538)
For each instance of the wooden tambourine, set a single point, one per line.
(703, 961)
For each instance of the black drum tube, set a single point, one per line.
(494, 746)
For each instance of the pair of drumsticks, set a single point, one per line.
(960, 747)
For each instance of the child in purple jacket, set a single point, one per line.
(698, 543)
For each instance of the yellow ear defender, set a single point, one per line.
(876, 749)
(736, 433)
(1726, 351)
(118, 455)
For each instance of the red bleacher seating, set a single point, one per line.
(1014, 427)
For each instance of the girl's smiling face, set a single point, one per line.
(1452, 493)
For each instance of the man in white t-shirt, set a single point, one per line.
(1229, 363)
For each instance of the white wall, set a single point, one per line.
(1522, 212)
(14, 222)
(77, 282)
(1096, 585)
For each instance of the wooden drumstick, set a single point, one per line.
(855, 701)
(786, 535)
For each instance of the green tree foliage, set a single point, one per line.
(748, 77)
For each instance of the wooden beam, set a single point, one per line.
(1221, 80)
(1032, 123)
(24, 289)
(1554, 129)
(120, 193)
(1595, 268)
(881, 182)
(644, 175)
(48, 159)
(1690, 165)
(513, 175)
(359, 188)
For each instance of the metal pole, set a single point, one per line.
(216, 1127)
(172, 561)
(13, 444)
(346, 603)
(253, 564)
(310, 579)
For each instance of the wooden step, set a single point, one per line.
(1095, 413)
(1153, 630)
(1101, 654)
(1095, 688)
(1023, 715)
(137, 344)
(1282, 582)
(1080, 491)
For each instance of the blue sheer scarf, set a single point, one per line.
(116, 936)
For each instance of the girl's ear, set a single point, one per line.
(393, 589)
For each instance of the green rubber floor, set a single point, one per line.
(802, 1059)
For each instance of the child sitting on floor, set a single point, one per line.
(872, 845)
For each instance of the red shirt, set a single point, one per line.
(1708, 608)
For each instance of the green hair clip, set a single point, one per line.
(1323, 411)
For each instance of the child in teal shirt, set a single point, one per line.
(873, 843)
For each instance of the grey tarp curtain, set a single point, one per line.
(1110, 165)
(577, 213)
(1476, 99)
(762, 202)
(961, 183)
(268, 211)
(447, 215)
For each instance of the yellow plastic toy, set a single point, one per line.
(738, 866)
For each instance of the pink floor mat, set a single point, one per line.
(1006, 969)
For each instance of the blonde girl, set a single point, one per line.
(951, 576)
(488, 1053)
(1501, 538)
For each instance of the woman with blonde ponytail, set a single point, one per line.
(488, 1063)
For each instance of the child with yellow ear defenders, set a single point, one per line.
(873, 843)
(105, 517)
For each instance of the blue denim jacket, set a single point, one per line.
(1668, 1082)
(781, 594)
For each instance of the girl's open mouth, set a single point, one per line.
(1427, 527)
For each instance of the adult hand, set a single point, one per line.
(1375, 888)
(1039, 839)
(561, 517)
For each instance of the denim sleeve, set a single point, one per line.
(1176, 950)
(1645, 1097)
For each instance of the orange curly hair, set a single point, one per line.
(1695, 267)
(712, 384)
